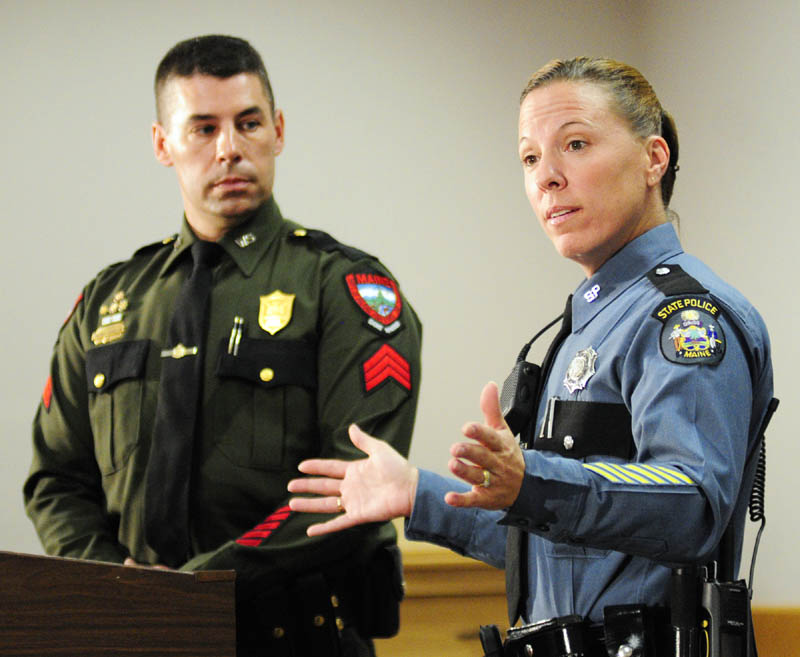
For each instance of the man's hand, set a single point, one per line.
(377, 488)
(130, 562)
(496, 453)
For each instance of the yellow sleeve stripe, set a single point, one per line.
(624, 470)
(651, 474)
(595, 467)
(611, 473)
(638, 473)
(675, 473)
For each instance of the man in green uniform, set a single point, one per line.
(302, 336)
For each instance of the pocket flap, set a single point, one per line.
(270, 362)
(108, 365)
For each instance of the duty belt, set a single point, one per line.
(627, 631)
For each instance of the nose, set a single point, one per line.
(228, 146)
(549, 174)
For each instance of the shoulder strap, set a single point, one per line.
(672, 280)
(324, 242)
(155, 245)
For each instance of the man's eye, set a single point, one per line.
(529, 160)
(206, 129)
(251, 124)
(576, 145)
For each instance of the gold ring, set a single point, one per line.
(339, 505)
(487, 479)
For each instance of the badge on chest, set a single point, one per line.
(275, 311)
(580, 370)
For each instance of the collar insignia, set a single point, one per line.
(245, 240)
(592, 294)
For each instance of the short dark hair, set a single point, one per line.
(213, 54)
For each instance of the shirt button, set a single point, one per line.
(267, 374)
(662, 271)
(99, 380)
(569, 442)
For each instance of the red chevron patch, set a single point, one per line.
(258, 534)
(47, 394)
(386, 364)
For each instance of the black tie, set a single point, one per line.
(170, 466)
(516, 541)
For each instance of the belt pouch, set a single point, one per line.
(631, 626)
(381, 593)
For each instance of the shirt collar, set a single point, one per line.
(622, 270)
(245, 244)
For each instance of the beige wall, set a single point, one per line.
(401, 131)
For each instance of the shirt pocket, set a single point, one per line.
(265, 404)
(115, 380)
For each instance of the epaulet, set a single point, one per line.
(325, 242)
(156, 245)
(672, 280)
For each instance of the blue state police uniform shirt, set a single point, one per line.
(603, 531)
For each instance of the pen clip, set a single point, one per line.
(236, 335)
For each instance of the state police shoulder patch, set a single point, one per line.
(691, 334)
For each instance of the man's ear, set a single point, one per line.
(280, 132)
(160, 145)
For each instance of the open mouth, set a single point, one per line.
(559, 216)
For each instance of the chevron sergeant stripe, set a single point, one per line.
(258, 534)
(386, 364)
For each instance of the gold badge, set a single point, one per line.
(111, 325)
(275, 311)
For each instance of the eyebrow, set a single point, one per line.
(571, 123)
(255, 109)
(561, 128)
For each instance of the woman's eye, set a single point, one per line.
(530, 160)
(576, 145)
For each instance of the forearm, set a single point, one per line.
(472, 532)
(70, 519)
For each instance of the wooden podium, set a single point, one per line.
(71, 608)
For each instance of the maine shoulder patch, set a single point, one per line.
(691, 334)
(379, 298)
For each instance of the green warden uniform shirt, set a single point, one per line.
(261, 411)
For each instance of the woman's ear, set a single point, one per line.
(657, 153)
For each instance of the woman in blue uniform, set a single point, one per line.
(641, 447)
